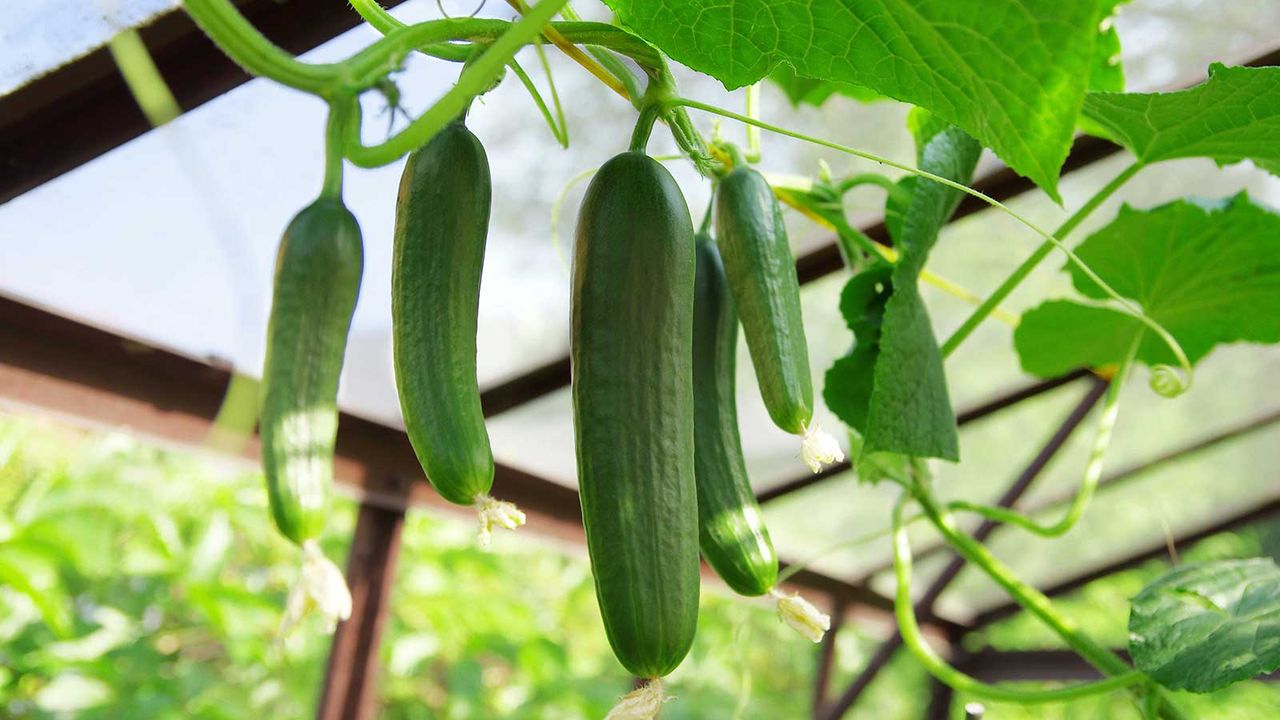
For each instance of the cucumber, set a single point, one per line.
(317, 280)
(442, 220)
(631, 336)
(762, 278)
(733, 537)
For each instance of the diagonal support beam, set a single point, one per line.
(350, 683)
(924, 606)
(965, 417)
(1263, 511)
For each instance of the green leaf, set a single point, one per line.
(891, 387)
(1209, 273)
(1108, 73)
(812, 91)
(1204, 627)
(1233, 116)
(910, 410)
(1013, 73)
(847, 385)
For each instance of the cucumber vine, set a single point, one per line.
(486, 47)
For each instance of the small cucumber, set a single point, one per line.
(762, 277)
(317, 280)
(442, 220)
(733, 537)
(631, 325)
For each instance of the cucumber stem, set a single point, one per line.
(644, 127)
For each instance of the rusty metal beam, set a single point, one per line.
(350, 686)
(827, 657)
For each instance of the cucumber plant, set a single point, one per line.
(655, 314)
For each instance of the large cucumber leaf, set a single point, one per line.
(1208, 272)
(1204, 627)
(1012, 73)
(1233, 116)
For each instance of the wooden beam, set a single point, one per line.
(56, 365)
(350, 685)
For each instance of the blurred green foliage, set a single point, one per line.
(138, 582)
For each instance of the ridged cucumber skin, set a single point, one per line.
(442, 222)
(732, 533)
(631, 333)
(762, 277)
(317, 281)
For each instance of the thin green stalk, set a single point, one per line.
(1092, 471)
(555, 94)
(1029, 598)
(340, 116)
(915, 642)
(143, 78)
(869, 178)
(753, 132)
(222, 22)
(558, 130)
(475, 79)
(1022, 271)
(1170, 385)
(644, 127)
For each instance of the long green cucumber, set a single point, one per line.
(442, 220)
(317, 280)
(632, 324)
(762, 277)
(733, 536)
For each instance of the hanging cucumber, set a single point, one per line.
(442, 220)
(762, 278)
(317, 280)
(631, 323)
(733, 536)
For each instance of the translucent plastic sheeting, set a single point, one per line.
(38, 36)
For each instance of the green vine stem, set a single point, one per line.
(914, 641)
(1092, 472)
(1168, 385)
(644, 127)
(1030, 599)
(477, 77)
(753, 132)
(1022, 271)
(340, 116)
(243, 43)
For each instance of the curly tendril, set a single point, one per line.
(1169, 381)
